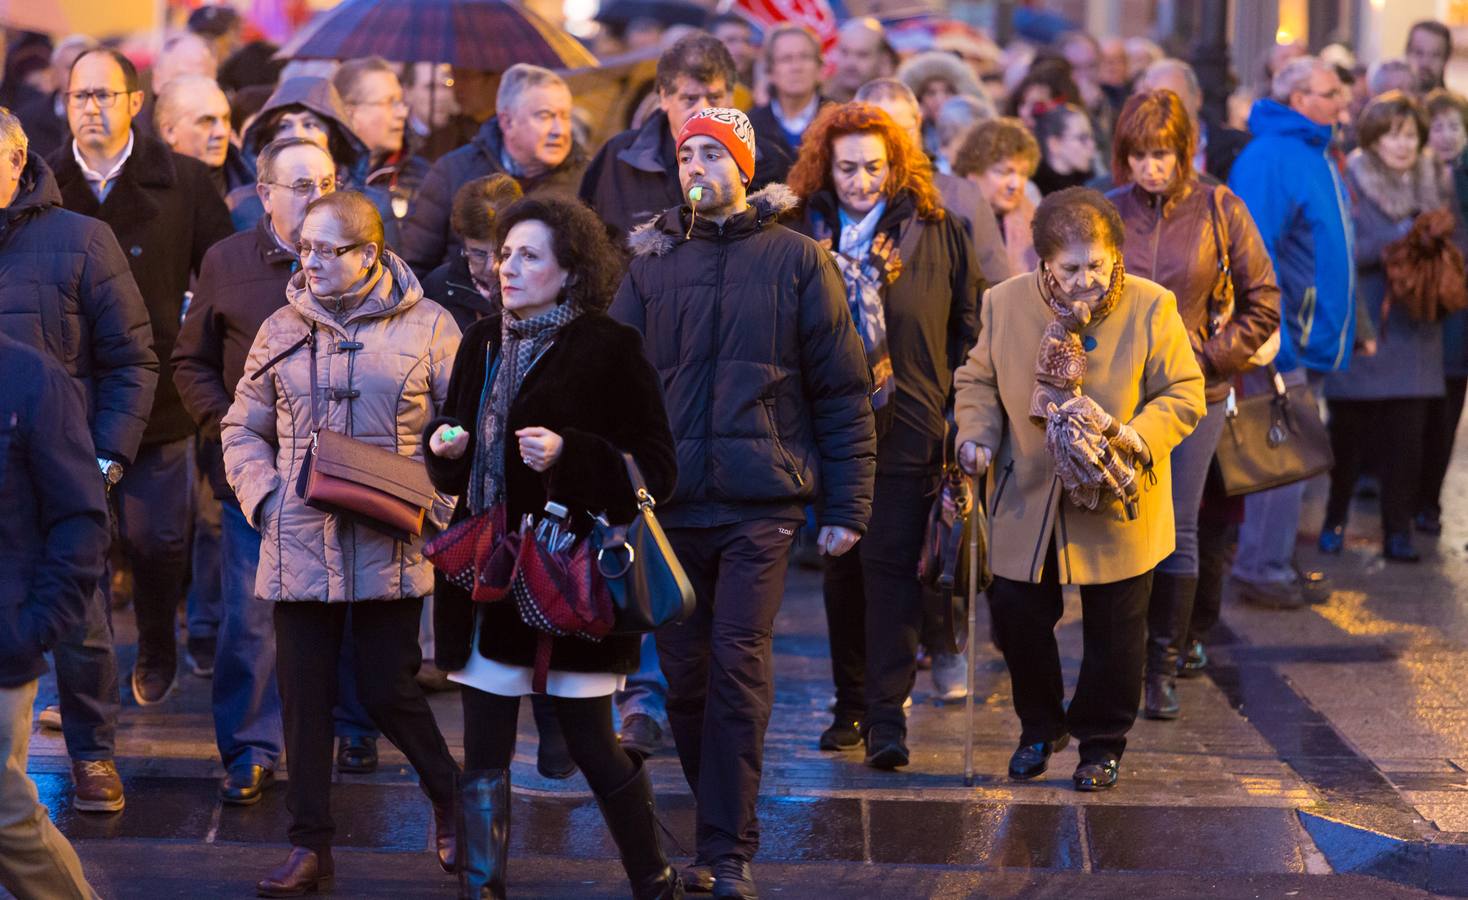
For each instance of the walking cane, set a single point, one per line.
(973, 595)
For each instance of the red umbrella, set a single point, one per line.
(484, 35)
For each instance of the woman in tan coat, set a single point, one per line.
(382, 355)
(1082, 382)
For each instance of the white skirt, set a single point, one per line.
(492, 677)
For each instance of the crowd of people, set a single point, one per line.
(793, 290)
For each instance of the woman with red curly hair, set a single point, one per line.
(913, 286)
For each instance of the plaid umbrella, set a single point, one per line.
(485, 35)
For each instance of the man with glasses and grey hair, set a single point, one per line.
(242, 282)
(66, 290)
(529, 139)
(1290, 182)
(166, 213)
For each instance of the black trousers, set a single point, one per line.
(1114, 625)
(384, 634)
(491, 727)
(875, 605)
(721, 673)
(1443, 414)
(1389, 431)
(155, 515)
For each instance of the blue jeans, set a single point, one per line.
(204, 581)
(647, 690)
(1272, 518)
(247, 723)
(1190, 463)
(86, 679)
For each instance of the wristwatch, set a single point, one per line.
(111, 470)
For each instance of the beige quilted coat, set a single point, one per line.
(402, 371)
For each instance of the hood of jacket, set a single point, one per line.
(660, 235)
(36, 192)
(1400, 195)
(396, 291)
(1270, 117)
(320, 97)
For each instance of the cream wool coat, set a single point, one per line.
(1142, 371)
(402, 371)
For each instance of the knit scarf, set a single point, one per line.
(1077, 434)
(522, 341)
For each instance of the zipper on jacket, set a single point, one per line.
(786, 459)
(708, 429)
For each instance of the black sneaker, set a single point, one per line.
(641, 735)
(733, 880)
(886, 746)
(199, 654)
(844, 734)
(153, 684)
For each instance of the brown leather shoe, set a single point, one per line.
(303, 872)
(98, 787)
(443, 837)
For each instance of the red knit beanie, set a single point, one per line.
(729, 127)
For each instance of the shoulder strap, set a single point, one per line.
(1220, 229)
(311, 342)
(639, 484)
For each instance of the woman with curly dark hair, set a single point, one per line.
(544, 399)
(913, 286)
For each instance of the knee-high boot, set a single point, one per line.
(632, 820)
(1168, 612)
(483, 833)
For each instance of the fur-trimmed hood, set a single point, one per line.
(1399, 195)
(658, 236)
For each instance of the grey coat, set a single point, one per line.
(1409, 357)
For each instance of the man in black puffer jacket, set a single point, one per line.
(66, 290)
(767, 383)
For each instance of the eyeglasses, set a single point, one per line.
(305, 187)
(105, 99)
(396, 105)
(476, 257)
(304, 250)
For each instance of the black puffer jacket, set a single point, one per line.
(634, 176)
(594, 388)
(427, 239)
(932, 315)
(165, 213)
(53, 536)
(65, 288)
(764, 374)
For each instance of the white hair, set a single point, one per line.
(1190, 77)
(518, 79)
(12, 135)
(1294, 77)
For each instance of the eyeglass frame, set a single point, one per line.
(336, 185)
(97, 96)
(470, 255)
(400, 103)
(304, 250)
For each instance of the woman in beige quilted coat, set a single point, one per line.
(382, 355)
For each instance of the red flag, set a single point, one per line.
(813, 14)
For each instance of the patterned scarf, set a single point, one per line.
(1077, 432)
(522, 341)
(865, 282)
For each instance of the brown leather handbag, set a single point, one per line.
(1272, 439)
(378, 488)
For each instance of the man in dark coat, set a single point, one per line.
(65, 289)
(191, 115)
(165, 212)
(793, 59)
(53, 538)
(635, 175)
(766, 379)
(372, 96)
(529, 139)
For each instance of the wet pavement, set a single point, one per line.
(1324, 754)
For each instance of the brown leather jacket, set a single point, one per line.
(1172, 242)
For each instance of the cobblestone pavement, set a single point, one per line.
(1325, 754)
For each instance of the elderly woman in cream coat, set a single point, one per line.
(1081, 384)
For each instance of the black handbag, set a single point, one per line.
(1272, 439)
(649, 587)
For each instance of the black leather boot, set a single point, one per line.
(632, 820)
(483, 833)
(1168, 612)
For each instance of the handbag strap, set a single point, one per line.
(1220, 231)
(311, 342)
(639, 484)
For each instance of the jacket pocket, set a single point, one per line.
(786, 459)
(1000, 485)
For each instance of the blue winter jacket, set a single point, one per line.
(1299, 201)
